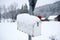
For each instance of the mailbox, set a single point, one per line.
(29, 24)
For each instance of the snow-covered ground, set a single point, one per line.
(8, 31)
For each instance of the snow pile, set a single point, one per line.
(52, 18)
(28, 24)
(27, 19)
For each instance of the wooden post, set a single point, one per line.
(29, 37)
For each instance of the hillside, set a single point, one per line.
(47, 10)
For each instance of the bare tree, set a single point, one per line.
(13, 7)
(0, 12)
(12, 10)
(4, 11)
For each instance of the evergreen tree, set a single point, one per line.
(24, 9)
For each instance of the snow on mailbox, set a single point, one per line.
(29, 24)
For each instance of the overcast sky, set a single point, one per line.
(20, 2)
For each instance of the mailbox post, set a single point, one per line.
(32, 4)
(29, 37)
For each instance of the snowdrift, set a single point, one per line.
(8, 31)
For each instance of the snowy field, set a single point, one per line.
(8, 31)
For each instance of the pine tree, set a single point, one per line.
(24, 9)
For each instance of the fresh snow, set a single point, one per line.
(52, 18)
(8, 31)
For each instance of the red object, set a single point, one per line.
(40, 17)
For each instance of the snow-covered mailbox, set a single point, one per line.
(29, 24)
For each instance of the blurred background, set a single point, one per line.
(9, 9)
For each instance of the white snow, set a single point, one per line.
(42, 18)
(52, 17)
(8, 31)
(27, 17)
